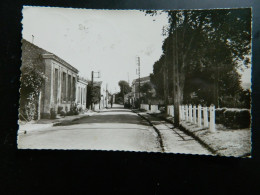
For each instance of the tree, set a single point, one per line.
(32, 80)
(146, 91)
(124, 87)
(205, 41)
(93, 95)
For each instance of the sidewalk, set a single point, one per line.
(223, 142)
(173, 140)
(43, 124)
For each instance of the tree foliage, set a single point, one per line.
(93, 95)
(124, 87)
(201, 55)
(32, 80)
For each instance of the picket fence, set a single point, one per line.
(201, 116)
(154, 108)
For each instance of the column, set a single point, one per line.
(60, 85)
(66, 87)
(71, 88)
(51, 92)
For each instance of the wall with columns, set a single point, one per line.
(60, 87)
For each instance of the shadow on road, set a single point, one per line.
(120, 116)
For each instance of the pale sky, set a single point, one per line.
(99, 40)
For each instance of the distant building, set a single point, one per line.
(81, 93)
(135, 87)
(60, 87)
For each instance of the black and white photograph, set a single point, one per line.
(167, 81)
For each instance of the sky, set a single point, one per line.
(108, 41)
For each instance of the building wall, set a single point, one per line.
(81, 94)
(31, 54)
(59, 90)
(54, 92)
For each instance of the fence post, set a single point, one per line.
(212, 127)
(194, 114)
(199, 115)
(187, 114)
(180, 113)
(183, 112)
(205, 117)
(190, 113)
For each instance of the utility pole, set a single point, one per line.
(138, 58)
(123, 95)
(32, 38)
(106, 96)
(92, 85)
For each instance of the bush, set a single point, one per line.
(53, 113)
(62, 113)
(127, 105)
(80, 109)
(60, 108)
(233, 118)
(73, 110)
(162, 109)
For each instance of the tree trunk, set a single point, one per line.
(165, 80)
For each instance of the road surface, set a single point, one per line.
(112, 129)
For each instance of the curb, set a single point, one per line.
(156, 130)
(197, 138)
(67, 121)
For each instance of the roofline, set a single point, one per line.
(54, 57)
(57, 59)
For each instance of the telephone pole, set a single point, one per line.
(92, 85)
(139, 72)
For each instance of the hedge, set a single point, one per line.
(233, 118)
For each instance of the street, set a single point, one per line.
(111, 129)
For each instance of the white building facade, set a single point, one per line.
(81, 93)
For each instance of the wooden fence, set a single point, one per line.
(201, 116)
(154, 108)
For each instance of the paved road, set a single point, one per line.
(112, 129)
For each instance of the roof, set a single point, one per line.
(47, 54)
(96, 83)
(82, 80)
(147, 78)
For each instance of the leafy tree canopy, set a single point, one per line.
(124, 87)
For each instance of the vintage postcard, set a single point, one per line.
(170, 81)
